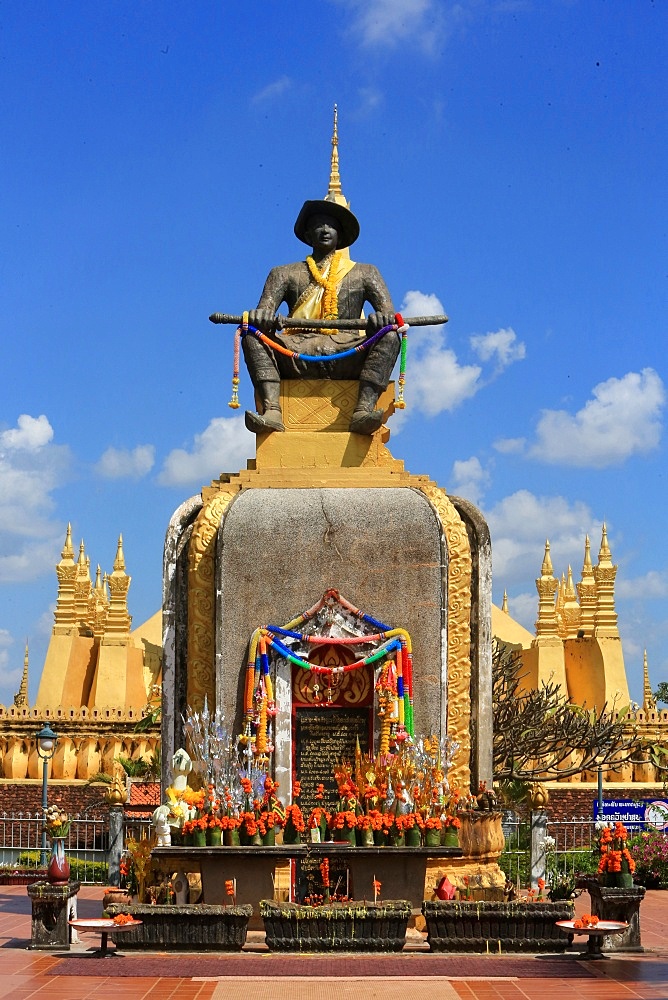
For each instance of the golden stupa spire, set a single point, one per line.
(98, 604)
(334, 192)
(68, 549)
(65, 614)
(604, 555)
(604, 574)
(648, 702)
(119, 561)
(21, 696)
(118, 618)
(547, 624)
(504, 606)
(570, 612)
(587, 593)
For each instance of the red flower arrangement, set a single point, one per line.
(294, 815)
(346, 817)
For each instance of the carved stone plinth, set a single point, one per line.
(353, 926)
(611, 903)
(50, 914)
(495, 927)
(197, 927)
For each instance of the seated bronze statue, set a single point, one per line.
(327, 285)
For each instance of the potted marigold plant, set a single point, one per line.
(616, 866)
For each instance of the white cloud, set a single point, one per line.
(622, 419)
(389, 23)
(502, 346)
(121, 463)
(510, 446)
(273, 90)
(469, 479)
(225, 444)
(30, 434)
(437, 381)
(652, 585)
(519, 525)
(31, 467)
(8, 675)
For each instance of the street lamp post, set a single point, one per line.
(46, 748)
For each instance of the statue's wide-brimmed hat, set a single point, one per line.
(348, 224)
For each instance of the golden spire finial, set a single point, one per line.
(68, 550)
(82, 555)
(547, 624)
(587, 566)
(648, 701)
(21, 696)
(546, 568)
(570, 586)
(119, 561)
(604, 554)
(504, 606)
(334, 192)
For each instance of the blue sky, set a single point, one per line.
(507, 162)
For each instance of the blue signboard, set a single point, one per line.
(635, 814)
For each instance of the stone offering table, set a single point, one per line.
(621, 906)
(50, 914)
(401, 870)
(103, 926)
(597, 934)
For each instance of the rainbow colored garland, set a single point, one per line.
(246, 329)
(395, 683)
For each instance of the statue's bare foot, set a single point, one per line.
(366, 421)
(261, 423)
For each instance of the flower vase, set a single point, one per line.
(214, 836)
(413, 836)
(346, 835)
(432, 838)
(58, 871)
(291, 834)
(379, 838)
(450, 837)
(398, 838)
(231, 838)
(269, 838)
(199, 838)
(364, 837)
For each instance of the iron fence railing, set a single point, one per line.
(86, 844)
(574, 846)
(575, 843)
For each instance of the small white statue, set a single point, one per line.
(161, 825)
(182, 765)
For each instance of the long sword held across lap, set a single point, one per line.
(327, 324)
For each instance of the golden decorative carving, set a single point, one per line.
(330, 407)
(353, 688)
(201, 609)
(538, 796)
(459, 630)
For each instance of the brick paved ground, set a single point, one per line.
(26, 974)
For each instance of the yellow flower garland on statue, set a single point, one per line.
(329, 283)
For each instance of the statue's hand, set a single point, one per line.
(376, 321)
(262, 319)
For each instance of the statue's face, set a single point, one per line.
(323, 232)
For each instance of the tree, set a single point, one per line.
(538, 734)
(661, 693)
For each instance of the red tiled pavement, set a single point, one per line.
(27, 974)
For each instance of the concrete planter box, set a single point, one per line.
(494, 927)
(194, 927)
(337, 927)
